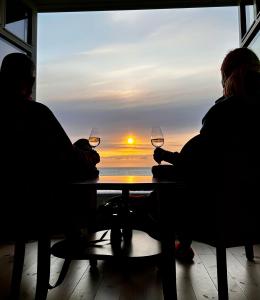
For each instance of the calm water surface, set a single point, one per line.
(121, 172)
(125, 171)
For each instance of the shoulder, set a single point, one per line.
(38, 108)
(225, 113)
(224, 103)
(223, 106)
(37, 105)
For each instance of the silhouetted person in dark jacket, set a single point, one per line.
(36, 153)
(35, 131)
(226, 151)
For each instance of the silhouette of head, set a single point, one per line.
(17, 74)
(241, 73)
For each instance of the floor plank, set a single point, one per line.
(184, 282)
(89, 284)
(197, 281)
(235, 291)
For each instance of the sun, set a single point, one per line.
(130, 140)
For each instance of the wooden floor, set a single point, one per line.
(197, 281)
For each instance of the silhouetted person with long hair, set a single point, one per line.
(36, 153)
(46, 143)
(225, 151)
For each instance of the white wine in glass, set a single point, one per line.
(157, 138)
(94, 138)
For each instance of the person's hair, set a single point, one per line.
(16, 70)
(17, 65)
(241, 73)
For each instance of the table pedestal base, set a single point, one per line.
(141, 246)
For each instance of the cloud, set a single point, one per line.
(101, 51)
(129, 17)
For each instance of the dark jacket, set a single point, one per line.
(37, 147)
(37, 160)
(228, 137)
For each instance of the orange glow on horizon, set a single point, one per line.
(120, 153)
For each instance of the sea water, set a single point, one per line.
(132, 171)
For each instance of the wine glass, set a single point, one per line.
(94, 137)
(157, 138)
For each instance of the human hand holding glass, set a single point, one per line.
(157, 139)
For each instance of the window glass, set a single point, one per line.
(128, 71)
(6, 48)
(17, 16)
(250, 16)
(255, 44)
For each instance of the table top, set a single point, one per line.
(126, 181)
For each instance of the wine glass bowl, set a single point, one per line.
(157, 138)
(157, 143)
(94, 138)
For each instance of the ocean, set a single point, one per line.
(125, 171)
(121, 171)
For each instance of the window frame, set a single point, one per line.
(247, 35)
(29, 47)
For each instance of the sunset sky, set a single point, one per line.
(127, 71)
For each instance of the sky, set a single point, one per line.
(125, 72)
